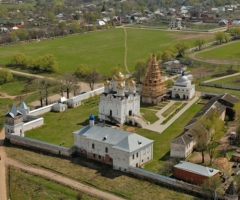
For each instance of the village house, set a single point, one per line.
(193, 173)
(182, 145)
(175, 23)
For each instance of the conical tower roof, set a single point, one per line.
(13, 112)
(23, 106)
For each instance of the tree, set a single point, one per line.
(226, 37)
(210, 185)
(236, 109)
(199, 42)
(69, 82)
(22, 34)
(219, 36)
(114, 70)
(166, 56)
(46, 63)
(5, 76)
(92, 77)
(167, 168)
(75, 26)
(20, 60)
(159, 55)
(103, 8)
(181, 47)
(140, 69)
(82, 71)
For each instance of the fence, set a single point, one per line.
(33, 124)
(41, 111)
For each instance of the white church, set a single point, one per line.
(119, 101)
(183, 87)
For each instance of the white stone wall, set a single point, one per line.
(76, 101)
(41, 111)
(33, 124)
(16, 129)
(35, 144)
(141, 156)
(120, 160)
(181, 91)
(181, 151)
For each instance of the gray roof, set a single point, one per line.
(184, 139)
(13, 112)
(120, 139)
(196, 169)
(23, 106)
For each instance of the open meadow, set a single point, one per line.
(232, 81)
(226, 52)
(102, 49)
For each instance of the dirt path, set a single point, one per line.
(214, 60)
(125, 56)
(3, 191)
(63, 180)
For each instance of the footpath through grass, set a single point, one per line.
(232, 81)
(23, 185)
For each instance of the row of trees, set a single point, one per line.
(45, 63)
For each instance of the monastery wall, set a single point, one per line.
(33, 124)
(43, 146)
(41, 111)
(86, 95)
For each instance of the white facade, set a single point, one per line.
(182, 146)
(175, 23)
(113, 146)
(118, 101)
(183, 88)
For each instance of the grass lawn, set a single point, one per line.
(171, 109)
(97, 175)
(39, 189)
(101, 49)
(229, 52)
(233, 81)
(217, 90)
(149, 115)
(59, 127)
(162, 141)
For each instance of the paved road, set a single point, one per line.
(2, 168)
(63, 180)
(157, 127)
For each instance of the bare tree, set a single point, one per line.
(92, 77)
(68, 82)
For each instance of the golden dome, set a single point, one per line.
(107, 83)
(131, 83)
(120, 86)
(119, 76)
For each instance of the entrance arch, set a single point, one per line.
(130, 112)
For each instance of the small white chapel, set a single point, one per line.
(183, 88)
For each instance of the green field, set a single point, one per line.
(149, 115)
(101, 49)
(171, 109)
(227, 52)
(233, 81)
(23, 185)
(217, 90)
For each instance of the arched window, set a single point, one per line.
(106, 150)
(93, 146)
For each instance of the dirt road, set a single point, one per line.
(63, 180)
(214, 60)
(2, 168)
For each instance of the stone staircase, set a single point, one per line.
(138, 120)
